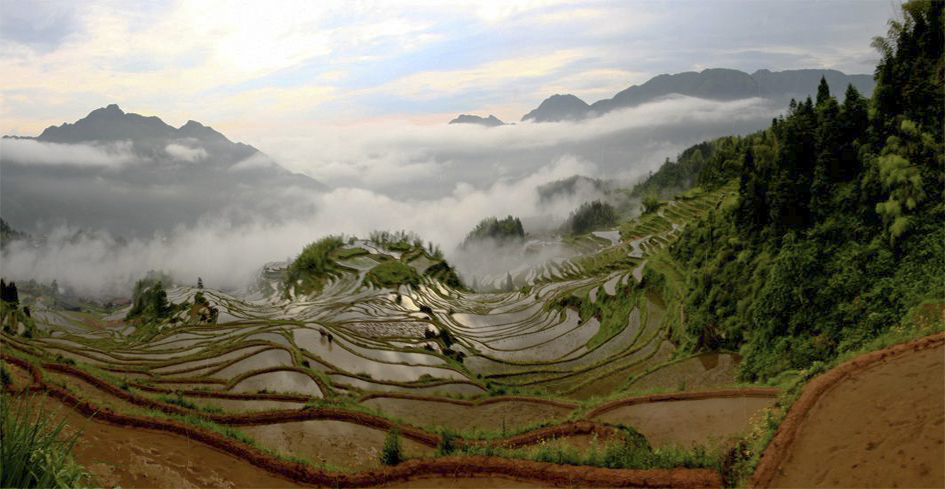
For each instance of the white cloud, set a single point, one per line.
(254, 162)
(31, 152)
(96, 264)
(184, 153)
(379, 153)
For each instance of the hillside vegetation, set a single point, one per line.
(838, 230)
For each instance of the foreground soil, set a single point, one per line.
(883, 426)
(135, 457)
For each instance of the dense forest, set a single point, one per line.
(838, 230)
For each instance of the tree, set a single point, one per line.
(909, 78)
(853, 123)
(8, 293)
(149, 301)
(901, 178)
(502, 231)
(590, 216)
(823, 91)
(650, 203)
(752, 211)
(199, 283)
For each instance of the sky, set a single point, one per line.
(357, 95)
(255, 70)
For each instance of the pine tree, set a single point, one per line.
(823, 91)
(199, 283)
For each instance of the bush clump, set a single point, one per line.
(390, 453)
(313, 265)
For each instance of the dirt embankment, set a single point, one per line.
(875, 421)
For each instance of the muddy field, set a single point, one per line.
(880, 427)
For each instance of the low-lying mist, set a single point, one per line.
(437, 182)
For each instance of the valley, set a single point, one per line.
(350, 309)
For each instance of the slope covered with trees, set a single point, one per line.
(838, 230)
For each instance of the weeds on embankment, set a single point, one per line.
(35, 451)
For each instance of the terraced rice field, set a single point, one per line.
(319, 380)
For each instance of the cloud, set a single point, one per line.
(228, 255)
(438, 181)
(254, 162)
(491, 75)
(387, 155)
(181, 152)
(31, 152)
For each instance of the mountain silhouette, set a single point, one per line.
(491, 121)
(713, 84)
(152, 176)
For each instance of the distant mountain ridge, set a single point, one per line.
(146, 176)
(149, 135)
(713, 84)
(491, 121)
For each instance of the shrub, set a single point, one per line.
(447, 443)
(390, 453)
(314, 264)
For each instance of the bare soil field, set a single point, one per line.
(880, 427)
(137, 457)
(688, 422)
(336, 443)
(488, 417)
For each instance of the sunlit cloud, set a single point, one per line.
(432, 84)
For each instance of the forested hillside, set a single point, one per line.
(837, 234)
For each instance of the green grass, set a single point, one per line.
(35, 451)
(627, 450)
(350, 253)
(392, 274)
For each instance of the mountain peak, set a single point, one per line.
(558, 107)
(490, 121)
(194, 129)
(112, 109)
